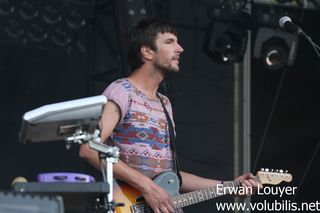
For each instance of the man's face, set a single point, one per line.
(167, 55)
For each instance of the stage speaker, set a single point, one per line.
(25, 203)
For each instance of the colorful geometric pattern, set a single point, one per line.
(142, 133)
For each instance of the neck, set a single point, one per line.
(147, 81)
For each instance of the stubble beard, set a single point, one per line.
(165, 68)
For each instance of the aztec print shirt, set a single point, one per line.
(142, 133)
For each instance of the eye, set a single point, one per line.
(169, 41)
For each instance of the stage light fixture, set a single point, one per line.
(226, 38)
(225, 42)
(275, 48)
(13, 29)
(75, 20)
(37, 33)
(61, 37)
(136, 9)
(28, 11)
(51, 15)
(6, 8)
(275, 54)
(39, 24)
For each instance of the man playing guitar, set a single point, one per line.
(135, 121)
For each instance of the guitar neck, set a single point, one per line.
(229, 187)
(200, 195)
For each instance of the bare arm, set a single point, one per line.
(192, 182)
(156, 197)
(110, 117)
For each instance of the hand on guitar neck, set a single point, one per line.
(249, 183)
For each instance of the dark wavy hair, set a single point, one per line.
(144, 33)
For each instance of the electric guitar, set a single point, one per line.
(169, 181)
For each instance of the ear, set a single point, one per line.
(146, 53)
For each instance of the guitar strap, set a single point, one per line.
(171, 134)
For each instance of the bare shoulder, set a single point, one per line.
(111, 108)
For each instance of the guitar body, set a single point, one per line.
(132, 198)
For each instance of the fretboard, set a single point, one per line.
(197, 196)
(194, 197)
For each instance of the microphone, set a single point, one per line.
(286, 23)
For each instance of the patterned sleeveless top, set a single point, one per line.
(142, 133)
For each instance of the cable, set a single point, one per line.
(314, 154)
(315, 3)
(315, 48)
(275, 100)
(309, 39)
(312, 43)
(304, 7)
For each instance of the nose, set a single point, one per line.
(179, 48)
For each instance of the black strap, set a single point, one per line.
(171, 134)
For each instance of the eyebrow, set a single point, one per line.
(171, 39)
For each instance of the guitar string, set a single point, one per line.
(145, 207)
(185, 202)
(193, 195)
(196, 198)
